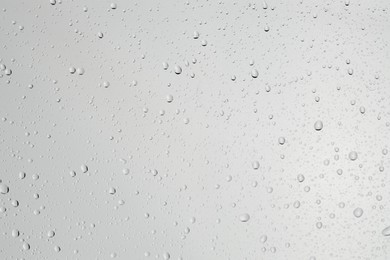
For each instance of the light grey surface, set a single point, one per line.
(194, 129)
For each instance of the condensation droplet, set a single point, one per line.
(352, 155)
(255, 165)
(358, 212)
(254, 73)
(84, 168)
(386, 231)
(4, 189)
(244, 217)
(318, 125)
(178, 69)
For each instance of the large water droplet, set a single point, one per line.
(178, 69)
(358, 212)
(318, 125)
(255, 165)
(352, 155)
(4, 189)
(244, 217)
(255, 73)
(386, 231)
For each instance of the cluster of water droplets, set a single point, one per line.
(194, 130)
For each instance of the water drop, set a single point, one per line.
(50, 234)
(255, 165)
(4, 189)
(196, 35)
(84, 168)
(358, 212)
(318, 125)
(166, 256)
(178, 69)
(112, 190)
(353, 155)
(169, 98)
(255, 73)
(80, 71)
(244, 217)
(386, 231)
(15, 233)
